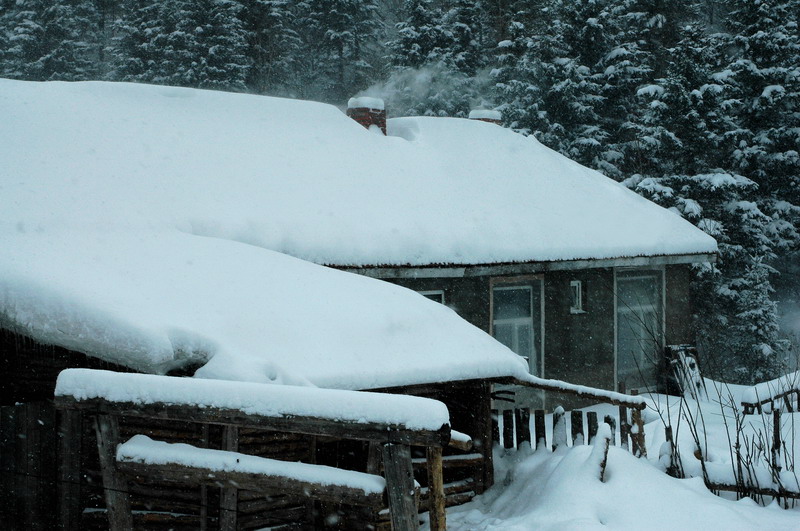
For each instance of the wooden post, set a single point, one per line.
(672, 465)
(495, 427)
(612, 423)
(638, 447)
(538, 427)
(229, 497)
(591, 420)
(115, 486)
(559, 428)
(205, 436)
(576, 421)
(436, 500)
(624, 427)
(776, 446)
(508, 428)
(522, 417)
(400, 487)
(69, 470)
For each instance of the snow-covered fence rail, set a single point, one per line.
(393, 421)
(785, 389)
(517, 429)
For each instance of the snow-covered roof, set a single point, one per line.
(144, 225)
(303, 179)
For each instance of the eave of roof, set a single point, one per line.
(521, 268)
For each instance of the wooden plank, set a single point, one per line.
(624, 427)
(495, 427)
(438, 521)
(539, 428)
(638, 446)
(612, 423)
(400, 487)
(366, 431)
(591, 421)
(70, 441)
(114, 484)
(228, 501)
(576, 427)
(522, 417)
(482, 438)
(559, 428)
(599, 395)
(8, 438)
(776, 446)
(173, 473)
(508, 429)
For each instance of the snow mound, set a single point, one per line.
(547, 491)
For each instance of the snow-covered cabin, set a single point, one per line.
(147, 228)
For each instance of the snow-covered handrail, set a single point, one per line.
(559, 386)
(350, 414)
(755, 397)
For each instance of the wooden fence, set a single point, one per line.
(517, 428)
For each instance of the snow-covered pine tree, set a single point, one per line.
(184, 43)
(437, 59)
(341, 41)
(50, 40)
(764, 75)
(272, 45)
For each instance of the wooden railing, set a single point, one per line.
(394, 439)
(517, 428)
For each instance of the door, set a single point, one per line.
(640, 327)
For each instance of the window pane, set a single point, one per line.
(510, 303)
(517, 320)
(504, 333)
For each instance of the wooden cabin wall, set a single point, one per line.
(579, 348)
(468, 296)
(680, 305)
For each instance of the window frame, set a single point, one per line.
(522, 281)
(428, 292)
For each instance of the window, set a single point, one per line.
(577, 296)
(517, 320)
(640, 327)
(434, 295)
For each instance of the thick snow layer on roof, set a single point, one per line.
(281, 401)
(303, 179)
(154, 298)
(143, 449)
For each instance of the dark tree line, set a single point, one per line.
(694, 104)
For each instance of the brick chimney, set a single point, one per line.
(486, 115)
(368, 112)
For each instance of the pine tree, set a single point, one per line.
(184, 43)
(341, 40)
(765, 82)
(51, 40)
(272, 45)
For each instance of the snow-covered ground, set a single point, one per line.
(546, 490)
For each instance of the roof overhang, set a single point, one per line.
(522, 268)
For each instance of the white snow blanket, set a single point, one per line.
(144, 225)
(357, 407)
(143, 449)
(303, 179)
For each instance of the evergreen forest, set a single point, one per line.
(695, 104)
